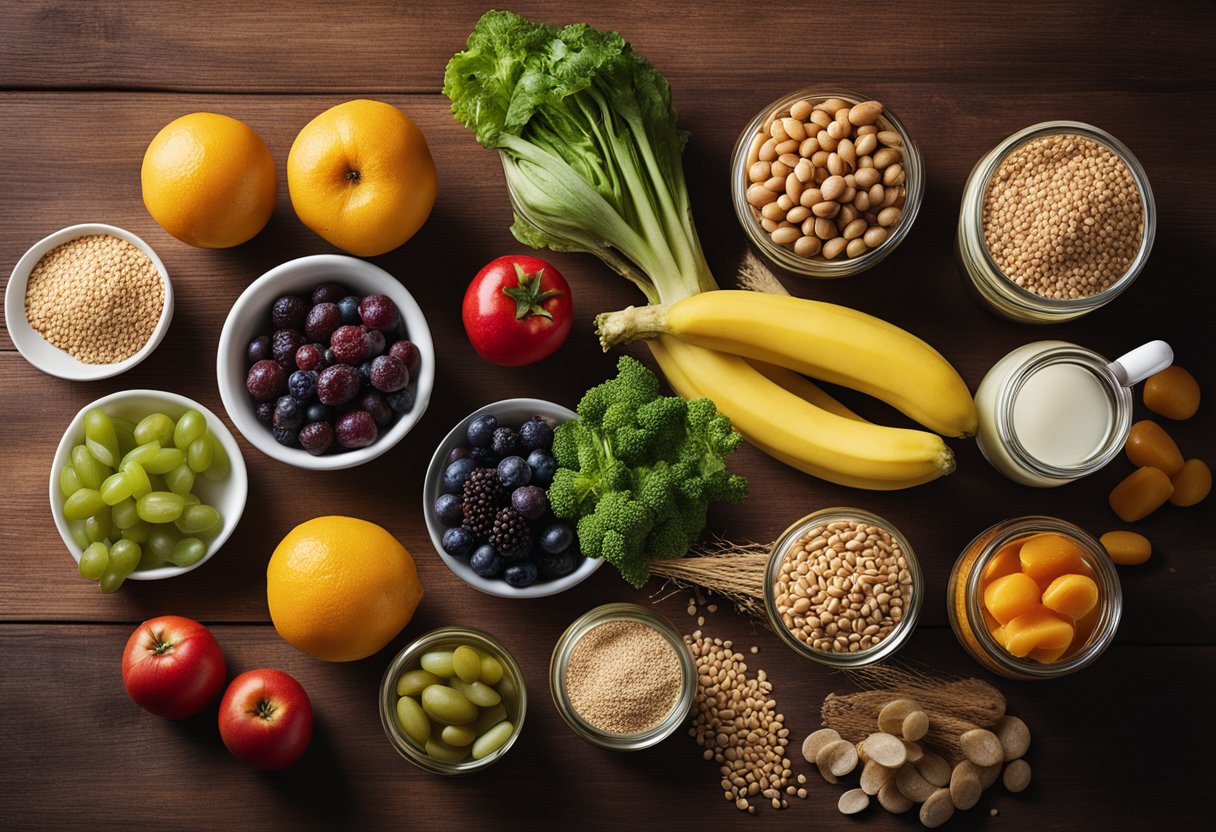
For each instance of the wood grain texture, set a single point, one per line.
(74, 121)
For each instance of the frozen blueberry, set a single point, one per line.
(288, 312)
(529, 500)
(486, 561)
(455, 475)
(265, 413)
(288, 413)
(535, 433)
(484, 457)
(317, 437)
(457, 453)
(543, 467)
(521, 574)
(329, 293)
(401, 402)
(329, 357)
(356, 429)
(258, 350)
(266, 380)
(448, 509)
(514, 472)
(348, 308)
(317, 412)
(458, 542)
(481, 430)
(365, 374)
(504, 442)
(559, 565)
(378, 312)
(322, 321)
(375, 342)
(557, 538)
(284, 436)
(302, 384)
(373, 402)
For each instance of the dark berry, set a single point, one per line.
(408, 352)
(375, 342)
(288, 413)
(284, 344)
(458, 543)
(557, 538)
(317, 412)
(348, 308)
(531, 502)
(338, 384)
(317, 437)
(284, 436)
(266, 380)
(389, 374)
(365, 374)
(484, 457)
(259, 350)
(504, 442)
(329, 293)
(535, 434)
(481, 430)
(401, 402)
(321, 322)
(349, 344)
(510, 534)
(514, 472)
(457, 453)
(454, 476)
(483, 495)
(378, 312)
(265, 412)
(485, 561)
(302, 384)
(356, 429)
(447, 509)
(521, 574)
(310, 357)
(543, 466)
(330, 358)
(374, 403)
(559, 565)
(288, 312)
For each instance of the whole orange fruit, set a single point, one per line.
(209, 180)
(340, 588)
(361, 175)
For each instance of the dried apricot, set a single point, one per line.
(1149, 444)
(1045, 557)
(1071, 595)
(1191, 484)
(1127, 548)
(1173, 393)
(1143, 491)
(1008, 597)
(1004, 562)
(1039, 629)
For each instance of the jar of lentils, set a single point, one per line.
(843, 588)
(1056, 221)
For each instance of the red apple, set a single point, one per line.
(172, 666)
(266, 719)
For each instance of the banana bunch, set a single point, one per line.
(750, 352)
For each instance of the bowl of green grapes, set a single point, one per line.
(145, 485)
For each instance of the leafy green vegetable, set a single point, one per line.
(589, 145)
(637, 470)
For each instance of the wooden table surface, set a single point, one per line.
(84, 87)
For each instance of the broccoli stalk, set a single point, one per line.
(638, 470)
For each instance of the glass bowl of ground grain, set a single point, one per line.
(843, 588)
(88, 302)
(1056, 221)
(622, 677)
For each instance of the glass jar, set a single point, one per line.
(911, 611)
(1001, 407)
(408, 659)
(964, 595)
(818, 267)
(988, 284)
(561, 658)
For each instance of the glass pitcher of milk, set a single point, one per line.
(1051, 412)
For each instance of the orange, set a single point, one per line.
(340, 588)
(361, 175)
(209, 180)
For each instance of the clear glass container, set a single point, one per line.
(964, 596)
(607, 739)
(408, 659)
(997, 396)
(988, 284)
(883, 649)
(817, 266)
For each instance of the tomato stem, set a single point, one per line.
(159, 645)
(527, 294)
(264, 709)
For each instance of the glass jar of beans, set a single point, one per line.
(1056, 220)
(843, 587)
(826, 183)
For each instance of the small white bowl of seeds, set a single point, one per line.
(88, 302)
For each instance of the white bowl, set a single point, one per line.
(227, 496)
(513, 413)
(36, 349)
(249, 318)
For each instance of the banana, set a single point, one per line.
(827, 445)
(822, 340)
(804, 388)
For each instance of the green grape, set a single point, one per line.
(200, 454)
(160, 507)
(126, 435)
(125, 514)
(94, 561)
(140, 454)
(69, 482)
(90, 472)
(196, 519)
(99, 526)
(124, 557)
(180, 480)
(79, 535)
(116, 488)
(160, 544)
(138, 477)
(158, 482)
(82, 504)
(164, 460)
(101, 438)
(188, 551)
(111, 581)
(139, 533)
(155, 427)
(221, 465)
(191, 499)
(191, 426)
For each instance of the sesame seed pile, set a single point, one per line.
(1062, 217)
(98, 298)
(623, 677)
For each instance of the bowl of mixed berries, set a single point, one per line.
(325, 362)
(486, 503)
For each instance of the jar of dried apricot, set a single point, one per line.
(1034, 598)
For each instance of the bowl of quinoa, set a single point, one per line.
(88, 302)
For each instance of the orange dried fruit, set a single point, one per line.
(1071, 595)
(1127, 548)
(1013, 595)
(1004, 562)
(1173, 393)
(1191, 484)
(1045, 557)
(1148, 444)
(1143, 491)
(1039, 629)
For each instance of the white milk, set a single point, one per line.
(1062, 415)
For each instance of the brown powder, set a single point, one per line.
(98, 298)
(623, 677)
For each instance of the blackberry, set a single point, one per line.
(483, 494)
(510, 534)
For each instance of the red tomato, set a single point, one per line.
(172, 666)
(266, 719)
(517, 310)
